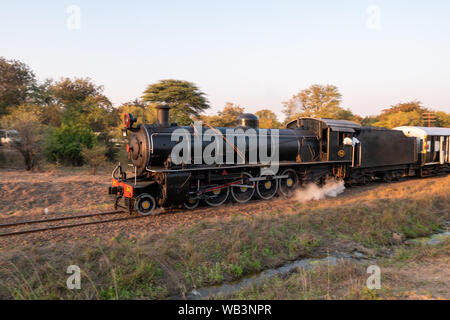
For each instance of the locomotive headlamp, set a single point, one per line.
(128, 120)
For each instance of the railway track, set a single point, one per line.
(73, 225)
(63, 226)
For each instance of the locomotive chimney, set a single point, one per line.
(162, 114)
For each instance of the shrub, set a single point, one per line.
(94, 156)
(64, 144)
(111, 151)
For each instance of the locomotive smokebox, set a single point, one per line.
(248, 120)
(162, 115)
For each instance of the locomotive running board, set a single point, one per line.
(284, 164)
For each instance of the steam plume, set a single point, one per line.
(312, 191)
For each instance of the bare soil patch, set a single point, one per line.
(24, 193)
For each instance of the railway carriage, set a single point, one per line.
(433, 145)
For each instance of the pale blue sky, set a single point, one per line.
(253, 53)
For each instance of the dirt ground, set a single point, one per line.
(24, 193)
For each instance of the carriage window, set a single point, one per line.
(437, 145)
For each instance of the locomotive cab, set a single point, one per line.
(330, 134)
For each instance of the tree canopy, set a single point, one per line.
(401, 114)
(320, 101)
(225, 118)
(185, 99)
(68, 91)
(442, 119)
(17, 82)
(143, 112)
(267, 119)
(80, 100)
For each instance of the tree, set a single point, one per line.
(105, 139)
(94, 156)
(144, 112)
(185, 99)
(406, 114)
(402, 114)
(404, 107)
(442, 119)
(82, 101)
(369, 121)
(51, 115)
(399, 119)
(68, 91)
(17, 81)
(317, 101)
(225, 118)
(42, 93)
(267, 119)
(30, 140)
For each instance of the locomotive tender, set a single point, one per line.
(308, 150)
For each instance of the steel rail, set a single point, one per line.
(18, 223)
(67, 226)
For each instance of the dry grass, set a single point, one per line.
(10, 158)
(420, 272)
(245, 240)
(71, 190)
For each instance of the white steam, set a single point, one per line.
(312, 191)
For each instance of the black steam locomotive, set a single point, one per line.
(308, 150)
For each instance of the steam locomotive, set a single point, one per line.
(307, 150)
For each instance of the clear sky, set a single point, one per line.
(252, 53)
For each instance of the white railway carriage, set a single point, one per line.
(433, 144)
